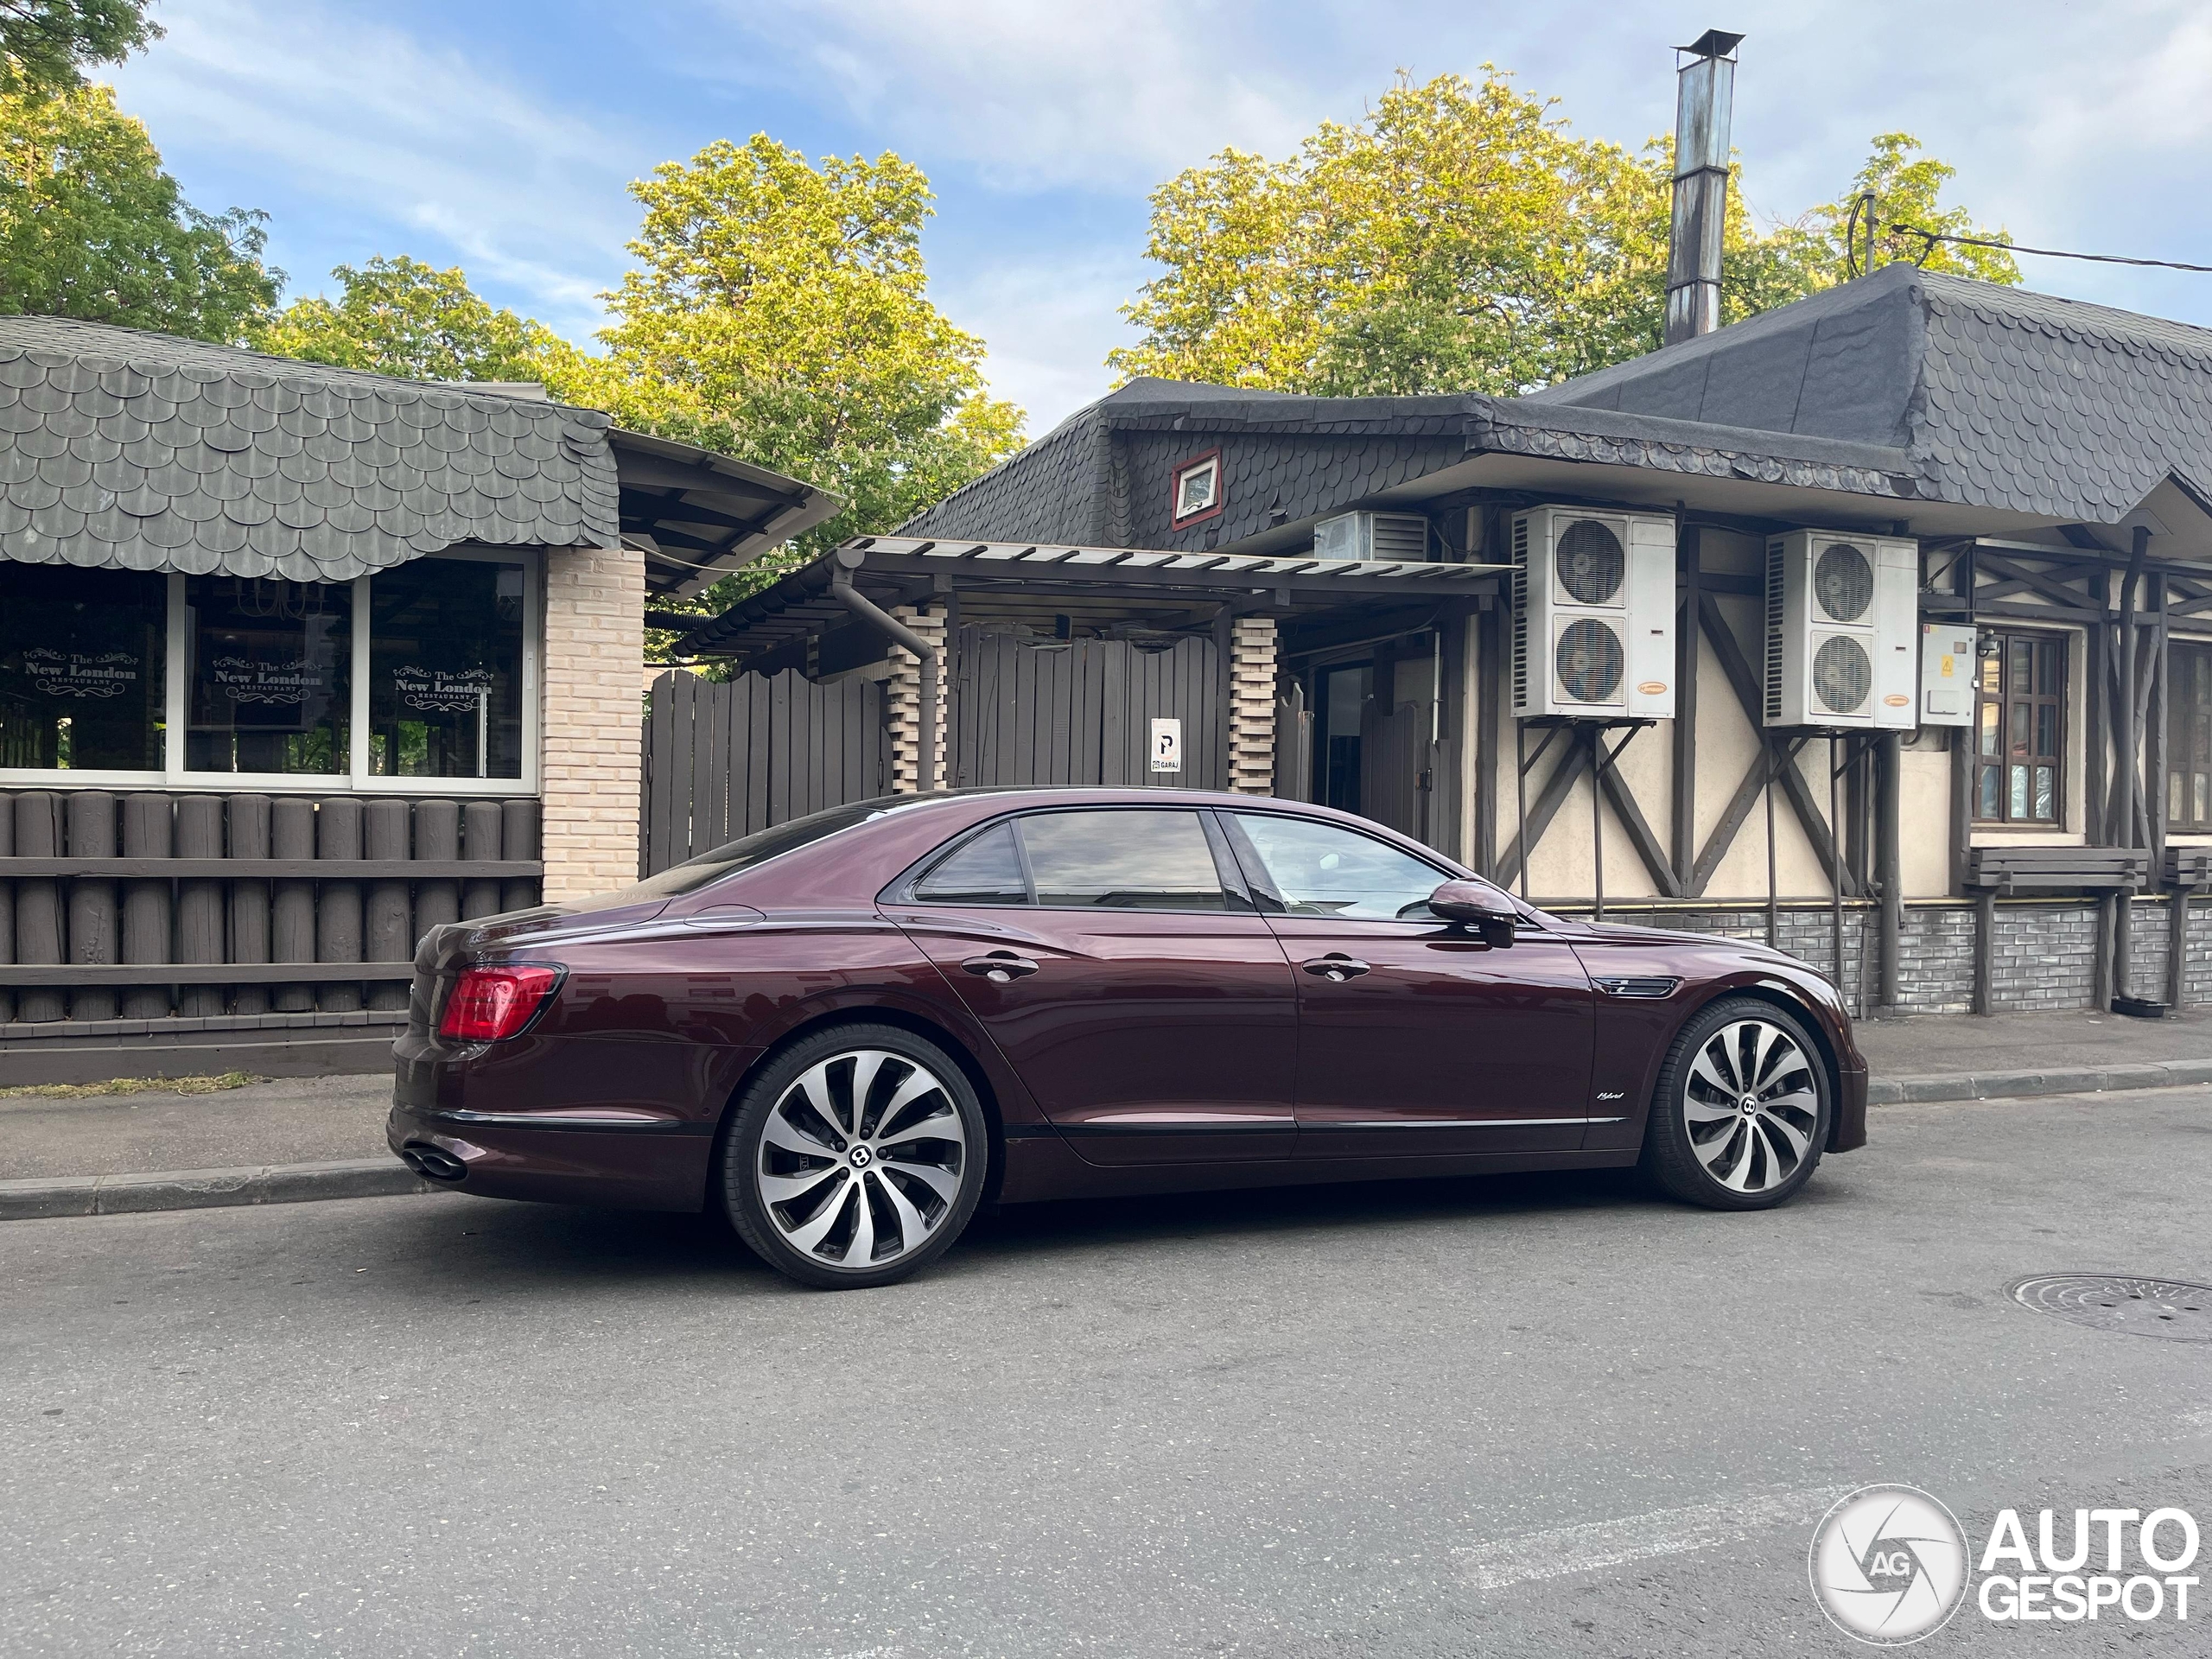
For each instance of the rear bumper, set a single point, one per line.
(508, 1130)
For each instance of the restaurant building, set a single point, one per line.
(297, 662)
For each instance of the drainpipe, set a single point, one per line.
(1705, 96)
(842, 589)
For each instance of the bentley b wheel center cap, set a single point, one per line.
(862, 1157)
(1751, 1106)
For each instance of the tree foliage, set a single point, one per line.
(404, 317)
(45, 45)
(780, 312)
(1461, 237)
(92, 228)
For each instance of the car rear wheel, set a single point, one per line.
(1742, 1108)
(856, 1157)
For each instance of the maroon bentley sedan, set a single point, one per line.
(849, 1031)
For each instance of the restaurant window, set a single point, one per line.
(131, 678)
(270, 676)
(82, 669)
(2188, 739)
(2020, 727)
(445, 670)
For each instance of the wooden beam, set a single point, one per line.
(1810, 819)
(1687, 653)
(1548, 801)
(1725, 829)
(1639, 830)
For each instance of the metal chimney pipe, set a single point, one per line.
(1704, 95)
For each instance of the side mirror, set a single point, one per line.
(1473, 905)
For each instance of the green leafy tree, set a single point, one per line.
(91, 226)
(1460, 238)
(780, 312)
(45, 45)
(403, 317)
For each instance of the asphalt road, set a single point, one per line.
(1542, 1416)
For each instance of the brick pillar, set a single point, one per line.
(905, 688)
(1252, 705)
(590, 743)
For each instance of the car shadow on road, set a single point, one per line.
(511, 1247)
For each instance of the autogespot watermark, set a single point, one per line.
(1891, 1564)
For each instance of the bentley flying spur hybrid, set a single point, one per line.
(849, 1031)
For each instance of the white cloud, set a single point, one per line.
(1100, 96)
(1049, 322)
(359, 117)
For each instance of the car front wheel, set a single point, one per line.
(855, 1158)
(1742, 1108)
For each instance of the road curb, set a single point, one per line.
(49, 1197)
(2012, 1086)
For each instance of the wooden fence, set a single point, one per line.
(1081, 712)
(726, 757)
(207, 908)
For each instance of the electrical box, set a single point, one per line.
(1948, 660)
(1842, 631)
(1593, 613)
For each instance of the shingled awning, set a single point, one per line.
(122, 449)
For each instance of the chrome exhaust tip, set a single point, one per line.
(435, 1162)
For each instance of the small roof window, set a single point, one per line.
(1197, 489)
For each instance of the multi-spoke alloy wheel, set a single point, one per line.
(1741, 1111)
(861, 1158)
(1749, 1104)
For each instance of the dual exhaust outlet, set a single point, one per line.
(434, 1162)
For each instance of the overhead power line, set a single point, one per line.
(1934, 237)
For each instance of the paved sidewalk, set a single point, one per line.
(323, 1137)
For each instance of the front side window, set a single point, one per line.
(445, 670)
(1319, 869)
(270, 681)
(2019, 732)
(2188, 739)
(83, 659)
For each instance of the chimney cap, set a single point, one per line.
(1714, 43)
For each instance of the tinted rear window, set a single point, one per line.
(756, 848)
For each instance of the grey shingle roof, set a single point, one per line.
(1903, 385)
(2002, 397)
(124, 449)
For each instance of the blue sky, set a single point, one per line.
(500, 134)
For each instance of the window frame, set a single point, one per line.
(356, 779)
(1177, 518)
(2039, 638)
(2175, 730)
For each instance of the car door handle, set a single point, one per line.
(1335, 966)
(1001, 967)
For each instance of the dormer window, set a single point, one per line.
(1197, 489)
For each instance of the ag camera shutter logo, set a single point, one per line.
(1889, 1564)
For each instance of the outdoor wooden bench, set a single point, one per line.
(2021, 871)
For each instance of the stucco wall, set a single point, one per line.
(591, 746)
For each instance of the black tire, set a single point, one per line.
(906, 1177)
(1702, 1145)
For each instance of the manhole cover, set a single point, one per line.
(2137, 1307)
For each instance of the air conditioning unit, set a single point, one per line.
(1593, 613)
(1397, 538)
(1842, 631)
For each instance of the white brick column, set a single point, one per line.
(905, 687)
(1252, 705)
(590, 727)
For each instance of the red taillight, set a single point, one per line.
(490, 1003)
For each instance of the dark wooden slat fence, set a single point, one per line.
(1082, 713)
(215, 911)
(726, 757)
